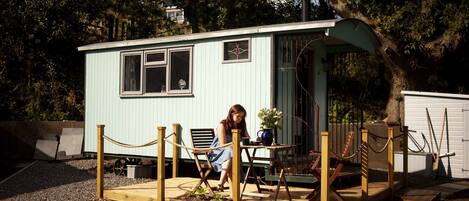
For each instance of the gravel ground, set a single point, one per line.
(70, 180)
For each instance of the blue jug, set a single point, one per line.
(266, 137)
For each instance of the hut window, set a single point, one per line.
(155, 57)
(162, 72)
(155, 80)
(236, 51)
(180, 63)
(131, 73)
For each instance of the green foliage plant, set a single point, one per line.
(217, 197)
(199, 192)
(270, 118)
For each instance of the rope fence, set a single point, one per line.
(153, 142)
(162, 139)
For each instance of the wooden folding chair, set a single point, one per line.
(202, 138)
(335, 172)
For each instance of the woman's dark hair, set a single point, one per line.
(230, 124)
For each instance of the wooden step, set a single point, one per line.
(421, 195)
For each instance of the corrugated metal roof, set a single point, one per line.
(275, 28)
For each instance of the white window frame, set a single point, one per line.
(123, 55)
(236, 60)
(168, 71)
(147, 52)
(166, 64)
(145, 83)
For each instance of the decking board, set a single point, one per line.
(176, 187)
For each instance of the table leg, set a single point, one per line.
(252, 171)
(279, 182)
(281, 177)
(286, 187)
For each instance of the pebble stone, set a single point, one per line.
(69, 180)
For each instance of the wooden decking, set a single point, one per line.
(176, 187)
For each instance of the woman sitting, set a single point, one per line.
(221, 158)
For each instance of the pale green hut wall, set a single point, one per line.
(320, 81)
(216, 87)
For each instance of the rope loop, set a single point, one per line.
(382, 149)
(129, 145)
(199, 149)
(153, 142)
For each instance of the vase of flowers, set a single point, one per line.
(270, 120)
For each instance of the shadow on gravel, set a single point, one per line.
(44, 175)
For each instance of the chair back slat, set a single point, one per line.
(202, 137)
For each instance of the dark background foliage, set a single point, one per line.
(42, 74)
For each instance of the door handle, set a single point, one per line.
(464, 140)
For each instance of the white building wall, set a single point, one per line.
(416, 118)
(216, 87)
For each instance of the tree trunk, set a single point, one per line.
(395, 61)
(399, 82)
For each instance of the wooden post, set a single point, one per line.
(405, 152)
(235, 165)
(177, 131)
(324, 166)
(364, 164)
(100, 161)
(160, 161)
(391, 160)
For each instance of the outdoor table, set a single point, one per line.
(275, 159)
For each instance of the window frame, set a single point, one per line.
(168, 72)
(122, 77)
(236, 60)
(145, 65)
(154, 63)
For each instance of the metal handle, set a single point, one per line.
(464, 140)
(464, 170)
(464, 110)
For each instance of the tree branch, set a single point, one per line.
(341, 7)
(447, 42)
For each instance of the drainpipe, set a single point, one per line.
(306, 10)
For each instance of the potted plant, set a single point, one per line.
(270, 121)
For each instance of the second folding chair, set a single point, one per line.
(334, 172)
(202, 138)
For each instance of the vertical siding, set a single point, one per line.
(416, 119)
(320, 95)
(466, 143)
(216, 87)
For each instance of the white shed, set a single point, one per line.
(455, 135)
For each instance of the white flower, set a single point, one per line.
(270, 118)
